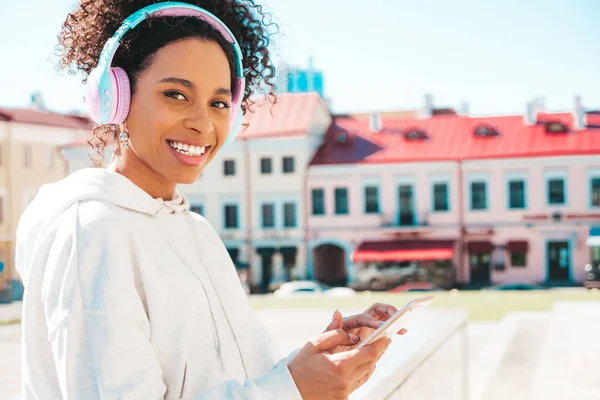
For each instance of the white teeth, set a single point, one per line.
(188, 150)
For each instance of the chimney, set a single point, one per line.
(579, 114)
(531, 113)
(375, 123)
(428, 110)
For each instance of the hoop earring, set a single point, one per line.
(124, 138)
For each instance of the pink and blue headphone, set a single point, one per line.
(108, 92)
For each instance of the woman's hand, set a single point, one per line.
(319, 374)
(362, 325)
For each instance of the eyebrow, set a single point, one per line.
(180, 81)
(190, 85)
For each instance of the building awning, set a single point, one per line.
(482, 246)
(594, 239)
(517, 246)
(403, 250)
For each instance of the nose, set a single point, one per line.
(200, 121)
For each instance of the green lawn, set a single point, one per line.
(481, 305)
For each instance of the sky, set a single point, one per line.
(493, 55)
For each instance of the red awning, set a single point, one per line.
(404, 250)
(517, 246)
(483, 246)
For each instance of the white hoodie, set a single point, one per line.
(131, 297)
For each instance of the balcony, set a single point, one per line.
(403, 219)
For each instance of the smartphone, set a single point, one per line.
(396, 322)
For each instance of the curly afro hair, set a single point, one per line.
(86, 29)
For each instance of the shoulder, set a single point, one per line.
(202, 223)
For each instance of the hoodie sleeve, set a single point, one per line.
(98, 327)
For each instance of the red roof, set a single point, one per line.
(292, 115)
(450, 137)
(47, 118)
(364, 116)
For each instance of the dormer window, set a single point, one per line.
(416, 134)
(485, 131)
(341, 137)
(556, 127)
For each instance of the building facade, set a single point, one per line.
(501, 199)
(29, 158)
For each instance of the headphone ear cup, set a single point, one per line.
(236, 125)
(93, 102)
(121, 91)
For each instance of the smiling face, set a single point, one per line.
(179, 115)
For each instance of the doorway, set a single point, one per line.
(559, 260)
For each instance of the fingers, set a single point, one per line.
(381, 310)
(330, 339)
(365, 354)
(365, 376)
(360, 320)
(402, 331)
(337, 321)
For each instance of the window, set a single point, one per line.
(478, 196)
(1, 156)
(416, 134)
(318, 202)
(516, 194)
(556, 191)
(229, 167)
(406, 205)
(518, 259)
(342, 138)
(371, 199)
(1, 210)
(485, 131)
(289, 215)
(27, 156)
(197, 208)
(288, 165)
(231, 216)
(341, 201)
(440, 197)
(268, 215)
(265, 165)
(595, 192)
(556, 127)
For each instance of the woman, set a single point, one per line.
(129, 295)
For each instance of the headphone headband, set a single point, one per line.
(171, 9)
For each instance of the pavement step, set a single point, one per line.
(491, 357)
(569, 366)
(514, 376)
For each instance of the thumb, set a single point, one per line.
(333, 338)
(337, 322)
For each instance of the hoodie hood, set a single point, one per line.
(102, 184)
(88, 184)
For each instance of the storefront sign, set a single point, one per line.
(559, 216)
